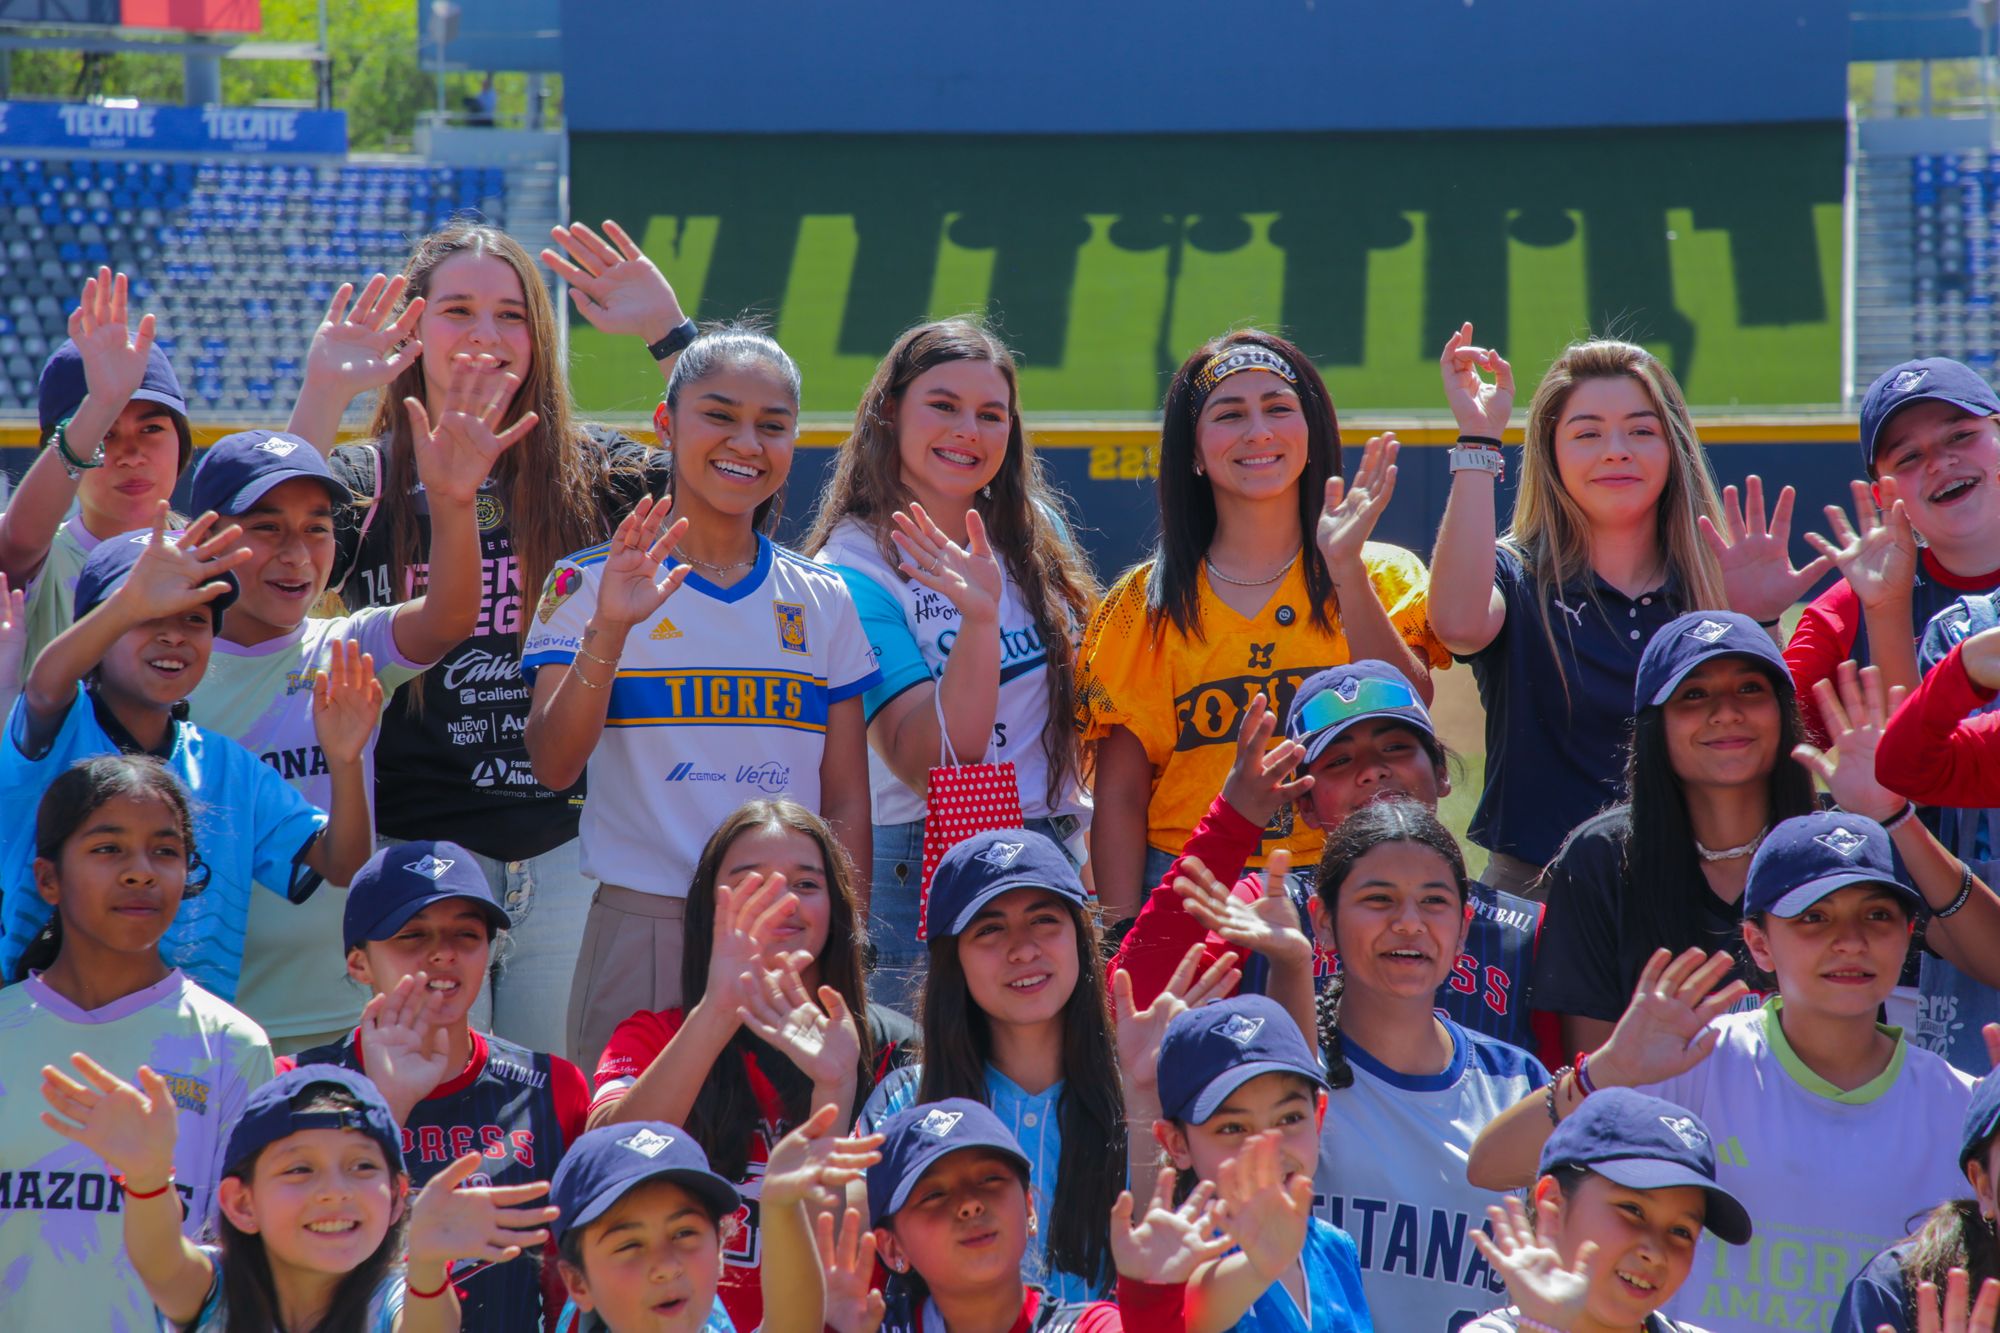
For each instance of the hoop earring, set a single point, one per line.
(1199, 471)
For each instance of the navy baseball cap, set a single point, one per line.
(1804, 859)
(1644, 1143)
(1685, 642)
(916, 1137)
(1210, 1052)
(404, 878)
(1934, 378)
(984, 866)
(605, 1164)
(268, 1114)
(64, 386)
(238, 470)
(1331, 701)
(107, 568)
(1982, 1117)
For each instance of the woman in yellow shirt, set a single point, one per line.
(1263, 574)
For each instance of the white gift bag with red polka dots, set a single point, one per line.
(961, 800)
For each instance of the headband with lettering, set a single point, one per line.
(1239, 357)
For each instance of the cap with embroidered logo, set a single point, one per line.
(1210, 1052)
(404, 878)
(111, 562)
(1804, 859)
(1644, 1143)
(269, 1114)
(607, 1163)
(239, 470)
(984, 866)
(64, 384)
(915, 1138)
(1933, 378)
(1331, 701)
(1685, 642)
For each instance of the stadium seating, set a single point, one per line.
(1956, 254)
(237, 259)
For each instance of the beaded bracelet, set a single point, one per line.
(1555, 1083)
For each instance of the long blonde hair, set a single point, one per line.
(1549, 530)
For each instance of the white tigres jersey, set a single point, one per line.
(1829, 1177)
(721, 699)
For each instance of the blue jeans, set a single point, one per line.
(526, 997)
(900, 957)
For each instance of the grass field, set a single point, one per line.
(1105, 259)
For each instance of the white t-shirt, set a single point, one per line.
(722, 699)
(910, 630)
(294, 980)
(1828, 1177)
(1391, 1174)
(62, 1242)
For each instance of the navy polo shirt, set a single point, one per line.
(1555, 753)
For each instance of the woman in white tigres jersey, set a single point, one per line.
(972, 593)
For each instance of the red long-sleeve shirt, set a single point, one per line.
(1933, 752)
(1164, 932)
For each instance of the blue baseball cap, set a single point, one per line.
(404, 878)
(1329, 702)
(984, 866)
(605, 1164)
(1804, 859)
(916, 1137)
(1645, 1143)
(64, 385)
(1937, 378)
(238, 470)
(1685, 642)
(1982, 1117)
(107, 568)
(268, 1114)
(1210, 1052)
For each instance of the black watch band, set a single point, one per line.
(676, 341)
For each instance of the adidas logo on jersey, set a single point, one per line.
(1242, 1029)
(1001, 854)
(940, 1123)
(1844, 843)
(665, 630)
(647, 1143)
(1708, 631)
(1686, 1130)
(430, 867)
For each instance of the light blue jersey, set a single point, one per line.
(1333, 1290)
(250, 826)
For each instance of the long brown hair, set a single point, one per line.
(549, 485)
(1549, 530)
(725, 1108)
(1024, 514)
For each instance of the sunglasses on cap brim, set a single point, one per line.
(1328, 709)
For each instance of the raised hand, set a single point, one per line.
(363, 348)
(968, 576)
(1665, 1030)
(13, 638)
(1262, 1212)
(1139, 1032)
(1980, 655)
(1756, 556)
(1257, 787)
(1879, 561)
(403, 1032)
(1855, 715)
(811, 1160)
(746, 915)
(629, 588)
(1479, 407)
(1954, 1316)
(132, 1129)
(618, 289)
(1542, 1288)
(1166, 1245)
(1352, 507)
(1269, 926)
(114, 357)
(171, 577)
(847, 1263)
(491, 1224)
(820, 1038)
(456, 455)
(347, 702)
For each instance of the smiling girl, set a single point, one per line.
(971, 592)
(747, 683)
(1263, 574)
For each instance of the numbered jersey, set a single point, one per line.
(910, 631)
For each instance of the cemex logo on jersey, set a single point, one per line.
(1241, 1029)
(1686, 1130)
(430, 867)
(940, 1123)
(1708, 631)
(1909, 380)
(1843, 842)
(648, 1143)
(1001, 854)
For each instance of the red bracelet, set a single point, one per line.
(130, 1194)
(1583, 1080)
(409, 1290)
